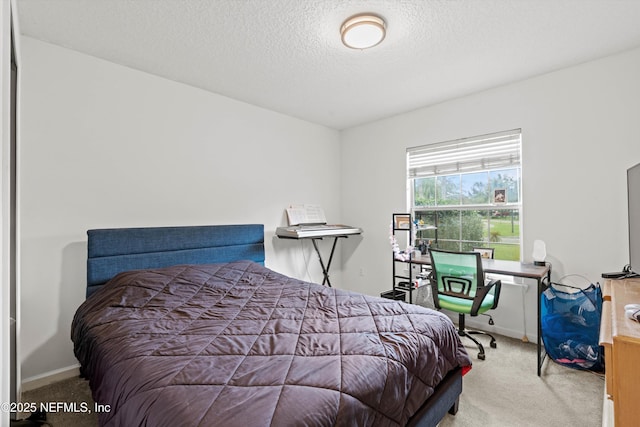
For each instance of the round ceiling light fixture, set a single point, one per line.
(363, 31)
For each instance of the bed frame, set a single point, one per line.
(115, 250)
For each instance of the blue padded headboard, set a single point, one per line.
(114, 250)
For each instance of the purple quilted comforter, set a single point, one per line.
(240, 345)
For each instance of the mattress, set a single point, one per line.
(237, 344)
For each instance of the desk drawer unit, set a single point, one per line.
(620, 337)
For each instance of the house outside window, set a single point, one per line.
(466, 194)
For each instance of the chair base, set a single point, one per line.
(463, 332)
(490, 318)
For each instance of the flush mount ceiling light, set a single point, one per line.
(362, 31)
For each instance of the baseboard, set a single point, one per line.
(480, 323)
(50, 377)
(511, 333)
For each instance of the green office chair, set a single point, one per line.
(458, 284)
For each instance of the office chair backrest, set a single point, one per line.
(457, 273)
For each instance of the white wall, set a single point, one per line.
(107, 146)
(580, 131)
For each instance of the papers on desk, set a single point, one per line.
(309, 231)
(305, 214)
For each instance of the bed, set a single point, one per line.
(186, 326)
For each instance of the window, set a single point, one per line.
(470, 190)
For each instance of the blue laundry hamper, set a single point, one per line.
(570, 320)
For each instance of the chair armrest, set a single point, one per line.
(434, 290)
(481, 293)
(496, 294)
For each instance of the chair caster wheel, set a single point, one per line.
(493, 344)
(481, 356)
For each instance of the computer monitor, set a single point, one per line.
(633, 194)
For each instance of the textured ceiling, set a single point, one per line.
(286, 55)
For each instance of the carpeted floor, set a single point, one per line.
(503, 390)
(73, 390)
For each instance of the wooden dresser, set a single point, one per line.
(620, 337)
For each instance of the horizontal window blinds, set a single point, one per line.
(496, 150)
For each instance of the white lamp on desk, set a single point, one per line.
(539, 252)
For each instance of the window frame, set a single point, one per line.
(486, 210)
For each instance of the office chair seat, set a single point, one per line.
(460, 305)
